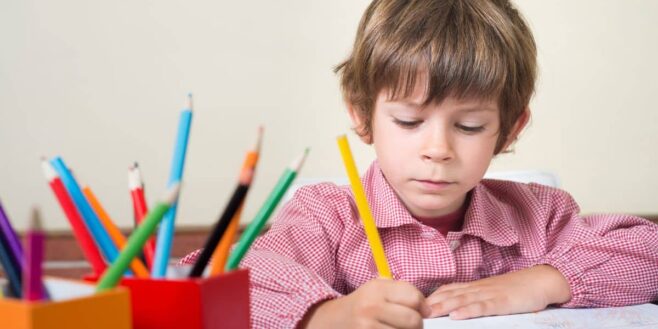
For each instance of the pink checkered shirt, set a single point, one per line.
(316, 248)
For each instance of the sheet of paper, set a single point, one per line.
(643, 316)
(62, 289)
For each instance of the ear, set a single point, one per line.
(358, 123)
(521, 122)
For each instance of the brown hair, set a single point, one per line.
(469, 48)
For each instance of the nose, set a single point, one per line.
(437, 146)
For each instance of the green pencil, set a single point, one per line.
(136, 241)
(256, 225)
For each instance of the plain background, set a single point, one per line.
(101, 83)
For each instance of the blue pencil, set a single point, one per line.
(166, 231)
(12, 272)
(107, 247)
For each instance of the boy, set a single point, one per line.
(439, 88)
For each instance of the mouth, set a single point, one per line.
(434, 185)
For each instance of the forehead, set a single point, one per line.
(420, 97)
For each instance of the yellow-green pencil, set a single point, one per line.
(136, 241)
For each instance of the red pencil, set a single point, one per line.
(136, 186)
(86, 242)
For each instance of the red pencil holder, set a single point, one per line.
(205, 303)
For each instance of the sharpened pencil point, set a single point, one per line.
(35, 220)
(189, 101)
(297, 163)
(172, 194)
(259, 139)
(48, 170)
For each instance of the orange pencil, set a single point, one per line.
(136, 265)
(220, 255)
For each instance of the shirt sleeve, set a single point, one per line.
(608, 260)
(292, 266)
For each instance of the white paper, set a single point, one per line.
(62, 289)
(642, 316)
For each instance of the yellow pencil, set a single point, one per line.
(364, 210)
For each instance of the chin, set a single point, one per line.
(434, 206)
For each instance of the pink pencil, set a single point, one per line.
(33, 271)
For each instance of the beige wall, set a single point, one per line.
(101, 83)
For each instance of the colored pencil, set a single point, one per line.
(13, 244)
(256, 225)
(12, 272)
(136, 185)
(220, 255)
(102, 238)
(166, 230)
(117, 237)
(82, 235)
(136, 241)
(229, 212)
(33, 288)
(364, 210)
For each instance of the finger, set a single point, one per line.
(399, 316)
(456, 301)
(440, 296)
(404, 293)
(474, 310)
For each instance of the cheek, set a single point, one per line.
(479, 152)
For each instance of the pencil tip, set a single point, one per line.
(259, 139)
(48, 170)
(299, 162)
(35, 219)
(172, 194)
(189, 101)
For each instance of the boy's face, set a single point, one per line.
(433, 155)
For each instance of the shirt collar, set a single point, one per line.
(386, 207)
(484, 217)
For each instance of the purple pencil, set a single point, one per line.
(13, 244)
(33, 272)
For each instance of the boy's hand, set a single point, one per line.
(527, 290)
(380, 303)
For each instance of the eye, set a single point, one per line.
(407, 124)
(470, 129)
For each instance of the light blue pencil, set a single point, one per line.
(94, 225)
(166, 231)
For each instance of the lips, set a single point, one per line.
(434, 185)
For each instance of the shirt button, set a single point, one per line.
(454, 245)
